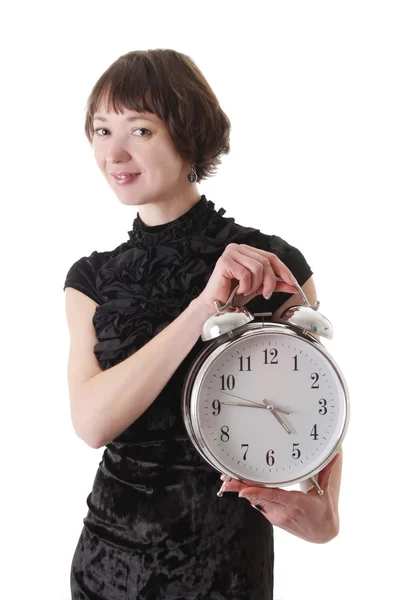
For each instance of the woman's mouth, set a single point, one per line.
(126, 179)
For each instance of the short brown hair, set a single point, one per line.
(169, 84)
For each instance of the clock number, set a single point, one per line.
(314, 387)
(217, 407)
(270, 458)
(323, 402)
(296, 450)
(230, 382)
(273, 361)
(224, 434)
(314, 432)
(241, 363)
(295, 363)
(245, 454)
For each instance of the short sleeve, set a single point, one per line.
(82, 277)
(292, 257)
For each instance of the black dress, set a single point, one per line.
(155, 528)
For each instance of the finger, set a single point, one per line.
(233, 486)
(278, 266)
(253, 278)
(264, 280)
(232, 274)
(325, 474)
(257, 495)
(252, 268)
(280, 286)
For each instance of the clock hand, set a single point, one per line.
(277, 417)
(285, 412)
(252, 401)
(234, 395)
(248, 405)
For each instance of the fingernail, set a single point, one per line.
(268, 296)
(257, 507)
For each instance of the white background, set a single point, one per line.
(312, 91)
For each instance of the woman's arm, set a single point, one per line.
(107, 403)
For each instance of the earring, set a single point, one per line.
(192, 175)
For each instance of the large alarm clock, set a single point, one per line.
(264, 402)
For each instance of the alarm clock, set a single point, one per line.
(264, 402)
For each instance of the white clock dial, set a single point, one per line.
(271, 408)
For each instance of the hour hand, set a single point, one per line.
(277, 417)
(284, 412)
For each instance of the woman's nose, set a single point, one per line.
(117, 153)
(117, 150)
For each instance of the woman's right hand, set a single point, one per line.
(253, 268)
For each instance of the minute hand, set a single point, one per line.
(252, 402)
(254, 405)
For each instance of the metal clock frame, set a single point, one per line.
(199, 369)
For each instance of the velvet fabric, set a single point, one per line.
(155, 528)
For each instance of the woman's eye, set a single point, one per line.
(103, 129)
(142, 129)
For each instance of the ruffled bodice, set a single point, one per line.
(145, 287)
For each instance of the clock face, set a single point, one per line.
(270, 407)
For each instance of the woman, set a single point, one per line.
(155, 528)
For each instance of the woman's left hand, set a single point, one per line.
(310, 516)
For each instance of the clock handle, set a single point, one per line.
(225, 478)
(296, 285)
(316, 486)
(299, 289)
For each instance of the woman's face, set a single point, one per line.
(138, 143)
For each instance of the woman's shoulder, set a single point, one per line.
(82, 274)
(271, 242)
